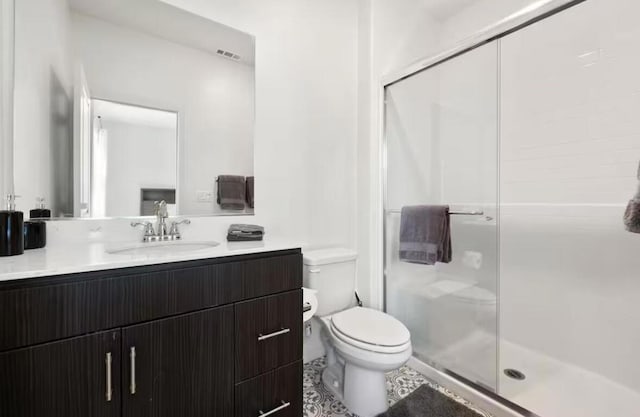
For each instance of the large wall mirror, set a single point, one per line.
(122, 103)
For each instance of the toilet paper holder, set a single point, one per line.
(306, 307)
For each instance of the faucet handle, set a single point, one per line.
(148, 228)
(174, 228)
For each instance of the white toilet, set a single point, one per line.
(362, 344)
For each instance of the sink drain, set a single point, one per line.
(514, 374)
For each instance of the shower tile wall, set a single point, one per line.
(569, 273)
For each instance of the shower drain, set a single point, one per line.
(514, 374)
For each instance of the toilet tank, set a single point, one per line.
(332, 273)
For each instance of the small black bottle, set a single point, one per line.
(11, 229)
(40, 212)
(35, 234)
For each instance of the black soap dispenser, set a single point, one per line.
(40, 212)
(11, 229)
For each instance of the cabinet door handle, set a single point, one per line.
(275, 410)
(132, 358)
(262, 337)
(107, 362)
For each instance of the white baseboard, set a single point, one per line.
(476, 397)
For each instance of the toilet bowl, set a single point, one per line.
(362, 344)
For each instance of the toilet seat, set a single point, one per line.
(371, 330)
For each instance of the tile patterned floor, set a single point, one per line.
(319, 402)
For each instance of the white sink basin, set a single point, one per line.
(162, 248)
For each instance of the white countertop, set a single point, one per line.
(74, 258)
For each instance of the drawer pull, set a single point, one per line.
(132, 357)
(107, 362)
(275, 410)
(262, 337)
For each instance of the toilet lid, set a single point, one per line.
(371, 327)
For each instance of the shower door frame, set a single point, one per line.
(537, 11)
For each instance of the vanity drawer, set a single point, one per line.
(45, 313)
(272, 275)
(268, 333)
(206, 286)
(278, 392)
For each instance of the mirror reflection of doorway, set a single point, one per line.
(133, 149)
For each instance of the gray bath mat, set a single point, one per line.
(427, 402)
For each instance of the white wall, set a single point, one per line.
(129, 169)
(213, 96)
(42, 62)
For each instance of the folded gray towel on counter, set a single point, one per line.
(242, 238)
(425, 234)
(231, 192)
(246, 228)
(245, 232)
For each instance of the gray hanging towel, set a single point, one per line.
(425, 234)
(632, 213)
(231, 192)
(250, 191)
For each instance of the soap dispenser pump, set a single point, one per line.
(41, 211)
(11, 229)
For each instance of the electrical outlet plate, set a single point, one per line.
(204, 196)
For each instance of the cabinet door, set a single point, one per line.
(268, 333)
(181, 366)
(79, 377)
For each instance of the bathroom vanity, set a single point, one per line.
(220, 336)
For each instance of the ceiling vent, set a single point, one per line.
(228, 55)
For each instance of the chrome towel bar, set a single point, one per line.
(452, 212)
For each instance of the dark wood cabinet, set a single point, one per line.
(179, 366)
(182, 339)
(78, 377)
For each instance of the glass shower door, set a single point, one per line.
(441, 148)
(570, 146)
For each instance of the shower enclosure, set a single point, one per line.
(532, 136)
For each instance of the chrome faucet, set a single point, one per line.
(160, 209)
(159, 233)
